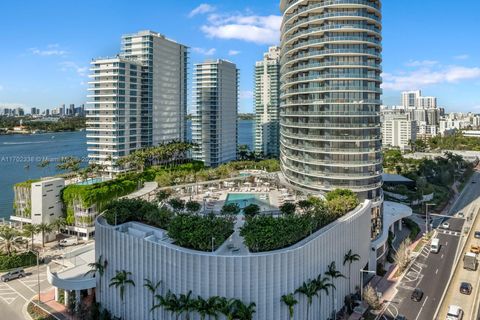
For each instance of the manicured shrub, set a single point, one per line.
(17, 260)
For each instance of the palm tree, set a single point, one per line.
(227, 307)
(152, 287)
(9, 239)
(29, 231)
(98, 267)
(350, 258)
(309, 290)
(243, 311)
(207, 307)
(322, 284)
(170, 303)
(290, 302)
(44, 228)
(187, 303)
(121, 281)
(59, 224)
(333, 273)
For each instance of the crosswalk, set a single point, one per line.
(7, 294)
(453, 233)
(32, 282)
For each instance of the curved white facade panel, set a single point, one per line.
(258, 277)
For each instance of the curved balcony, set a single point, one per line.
(316, 89)
(326, 4)
(315, 66)
(309, 147)
(330, 137)
(328, 101)
(329, 186)
(309, 160)
(351, 39)
(341, 15)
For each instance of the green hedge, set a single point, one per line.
(266, 233)
(14, 260)
(414, 228)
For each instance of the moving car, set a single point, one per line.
(477, 234)
(475, 248)
(400, 317)
(446, 225)
(68, 242)
(454, 313)
(417, 295)
(435, 245)
(465, 288)
(13, 274)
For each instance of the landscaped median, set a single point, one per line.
(38, 313)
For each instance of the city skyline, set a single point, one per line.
(415, 53)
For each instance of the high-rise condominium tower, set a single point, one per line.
(214, 124)
(330, 97)
(267, 103)
(113, 113)
(163, 86)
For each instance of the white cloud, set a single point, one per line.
(250, 28)
(245, 94)
(462, 57)
(428, 76)
(206, 52)
(233, 52)
(51, 50)
(201, 9)
(70, 65)
(421, 63)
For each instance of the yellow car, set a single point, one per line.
(475, 248)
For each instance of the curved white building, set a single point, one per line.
(262, 278)
(330, 97)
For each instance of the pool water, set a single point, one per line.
(90, 181)
(245, 199)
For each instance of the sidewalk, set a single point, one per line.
(57, 309)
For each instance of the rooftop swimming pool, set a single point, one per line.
(245, 199)
(89, 181)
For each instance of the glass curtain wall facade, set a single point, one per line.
(330, 97)
(267, 103)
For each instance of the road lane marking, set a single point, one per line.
(420, 311)
(441, 257)
(436, 271)
(19, 294)
(446, 243)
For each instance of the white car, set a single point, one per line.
(446, 225)
(68, 242)
(454, 313)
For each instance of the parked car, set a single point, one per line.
(454, 313)
(400, 317)
(68, 242)
(475, 248)
(13, 274)
(465, 288)
(477, 234)
(461, 215)
(417, 295)
(445, 225)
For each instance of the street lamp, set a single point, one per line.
(37, 254)
(361, 281)
(426, 216)
(213, 244)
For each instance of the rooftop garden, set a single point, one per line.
(437, 175)
(183, 225)
(266, 233)
(190, 229)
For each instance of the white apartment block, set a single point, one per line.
(414, 99)
(164, 85)
(46, 200)
(267, 103)
(398, 130)
(113, 110)
(214, 124)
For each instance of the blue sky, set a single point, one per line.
(47, 45)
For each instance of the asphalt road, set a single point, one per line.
(14, 294)
(431, 271)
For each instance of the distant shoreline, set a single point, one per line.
(10, 133)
